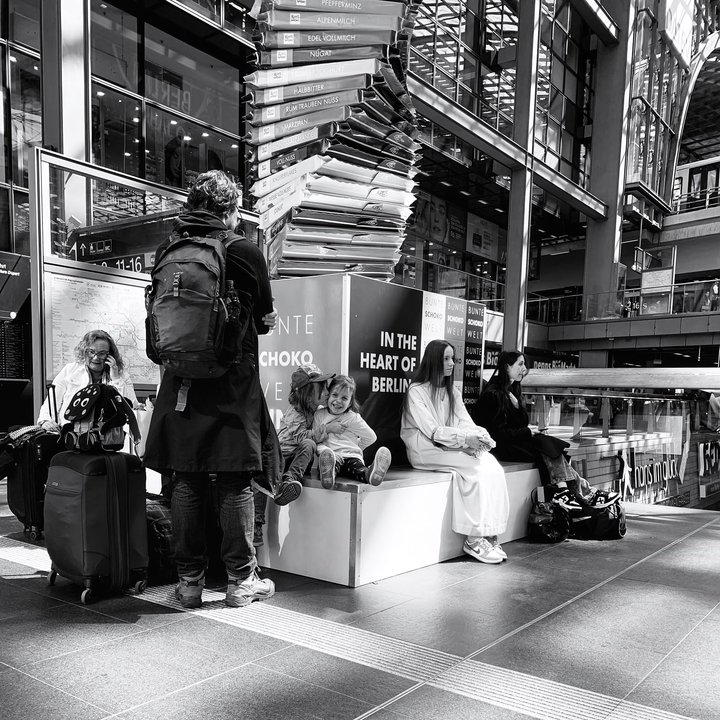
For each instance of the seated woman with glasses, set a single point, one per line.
(97, 360)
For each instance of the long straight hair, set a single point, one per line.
(505, 359)
(432, 370)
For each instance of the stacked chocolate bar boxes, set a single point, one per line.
(331, 134)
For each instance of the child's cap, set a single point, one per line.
(307, 374)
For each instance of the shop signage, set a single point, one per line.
(709, 489)
(375, 332)
(650, 479)
(709, 458)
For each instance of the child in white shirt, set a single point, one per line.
(341, 453)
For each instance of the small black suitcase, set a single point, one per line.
(26, 480)
(95, 529)
(31, 450)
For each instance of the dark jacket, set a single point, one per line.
(507, 425)
(224, 423)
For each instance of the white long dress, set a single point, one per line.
(434, 441)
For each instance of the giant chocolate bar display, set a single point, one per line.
(331, 138)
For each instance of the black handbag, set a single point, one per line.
(548, 522)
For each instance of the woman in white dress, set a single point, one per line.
(439, 435)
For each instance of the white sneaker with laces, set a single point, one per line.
(498, 547)
(243, 592)
(482, 551)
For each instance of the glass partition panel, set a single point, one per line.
(634, 444)
(24, 22)
(104, 222)
(25, 112)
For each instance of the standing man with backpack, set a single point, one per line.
(210, 410)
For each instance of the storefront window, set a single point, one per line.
(178, 149)
(3, 130)
(236, 16)
(116, 123)
(114, 45)
(189, 81)
(25, 112)
(208, 8)
(21, 216)
(24, 22)
(5, 234)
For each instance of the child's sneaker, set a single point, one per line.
(381, 463)
(243, 593)
(287, 491)
(326, 468)
(189, 590)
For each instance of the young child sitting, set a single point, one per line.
(347, 434)
(308, 386)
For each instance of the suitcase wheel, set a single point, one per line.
(140, 586)
(35, 534)
(52, 577)
(87, 596)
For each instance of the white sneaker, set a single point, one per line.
(376, 474)
(326, 468)
(497, 547)
(483, 551)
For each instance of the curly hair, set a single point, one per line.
(339, 382)
(89, 338)
(214, 191)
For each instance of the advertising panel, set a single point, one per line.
(390, 327)
(309, 330)
(373, 331)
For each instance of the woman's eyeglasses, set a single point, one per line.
(102, 354)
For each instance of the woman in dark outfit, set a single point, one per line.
(221, 430)
(501, 411)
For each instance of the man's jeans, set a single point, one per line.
(190, 499)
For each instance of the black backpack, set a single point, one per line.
(606, 523)
(96, 418)
(189, 328)
(548, 522)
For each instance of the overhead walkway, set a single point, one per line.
(595, 630)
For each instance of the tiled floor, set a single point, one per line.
(624, 630)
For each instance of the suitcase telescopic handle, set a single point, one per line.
(53, 401)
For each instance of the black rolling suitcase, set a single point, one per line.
(31, 449)
(95, 530)
(26, 479)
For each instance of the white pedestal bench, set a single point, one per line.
(356, 534)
